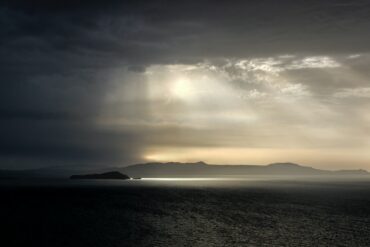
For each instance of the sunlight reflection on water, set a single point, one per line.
(250, 181)
(194, 179)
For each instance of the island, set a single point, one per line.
(106, 175)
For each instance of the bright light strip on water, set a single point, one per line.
(192, 179)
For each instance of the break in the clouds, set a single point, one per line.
(118, 82)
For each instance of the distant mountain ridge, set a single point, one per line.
(186, 170)
(202, 169)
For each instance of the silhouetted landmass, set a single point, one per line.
(201, 169)
(177, 169)
(351, 172)
(107, 175)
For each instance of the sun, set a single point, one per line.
(183, 89)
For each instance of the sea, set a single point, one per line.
(231, 211)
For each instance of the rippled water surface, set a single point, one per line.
(186, 212)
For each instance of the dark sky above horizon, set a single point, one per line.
(229, 82)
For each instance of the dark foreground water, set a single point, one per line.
(185, 213)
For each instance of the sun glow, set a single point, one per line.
(183, 89)
(238, 112)
(258, 156)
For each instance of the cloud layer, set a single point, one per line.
(114, 83)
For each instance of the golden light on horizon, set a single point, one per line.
(332, 158)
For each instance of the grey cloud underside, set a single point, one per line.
(56, 62)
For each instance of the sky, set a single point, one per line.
(111, 83)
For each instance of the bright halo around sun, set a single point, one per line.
(183, 89)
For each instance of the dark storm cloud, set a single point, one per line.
(167, 31)
(54, 140)
(56, 58)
